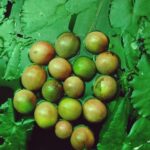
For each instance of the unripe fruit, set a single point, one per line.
(84, 67)
(94, 110)
(82, 138)
(45, 114)
(67, 45)
(41, 52)
(59, 68)
(52, 90)
(73, 87)
(24, 101)
(107, 63)
(105, 87)
(69, 109)
(96, 42)
(33, 77)
(63, 129)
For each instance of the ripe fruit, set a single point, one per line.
(63, 129)
(69, 109)
(59, 68)
(96, 42)
(73, 87)
(84, 67)
(24, 101)
(94, 110)
(52, 90)
(82, 138)
(67, 45)
(107, 63)
(45, 114)
(41, 52)
(105, 87)
(33, 77)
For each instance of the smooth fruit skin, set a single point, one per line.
(45, 114)
(84, 67)
(52, 90)
(59, 68)
(73, 87)
(82, 137)
(41, 52)
(96, 42)
(69, 109)
(33, 77)
(63, 129)
(24, 101)
(67, 45)
(94, 110)
(107, 63)
(105, 87)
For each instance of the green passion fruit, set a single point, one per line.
(24, 101)
(52, 90)
(105, 87)
(63, 129)
(84, 67)
(96, 42)
(41, 52)
(45, 114)
(59, 68)
(67, 45)
(69, 109)
(94, 110)
(82, 138)
(33, 77)
(73, 87)
(107, 63)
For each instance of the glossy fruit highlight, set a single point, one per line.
(107, 63)
(105, 87)
(67, 45)
(41, 52)
(96, 42)
(45, 114)
(94, 110)
(59, 68)
(33, 77)
(69, 109)
(24, 101)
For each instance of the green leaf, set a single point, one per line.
(121, 13)
(141, 8)
(14, 134)
(140, 83)
(45, 23)
(114, 129)
(139, 136)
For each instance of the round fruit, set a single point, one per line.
(96, 42)
(82, 138)
(45, 114)
(33, 77)
(84, 67)
(94, 110)
(52, 90)
(41, 52)
(107, 63)
(24, 101)
(63, 129)
(67, 45)
(69, 109)
(74, 87)
(105, 87)
(59, 68)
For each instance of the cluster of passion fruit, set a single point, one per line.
(61, 85)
